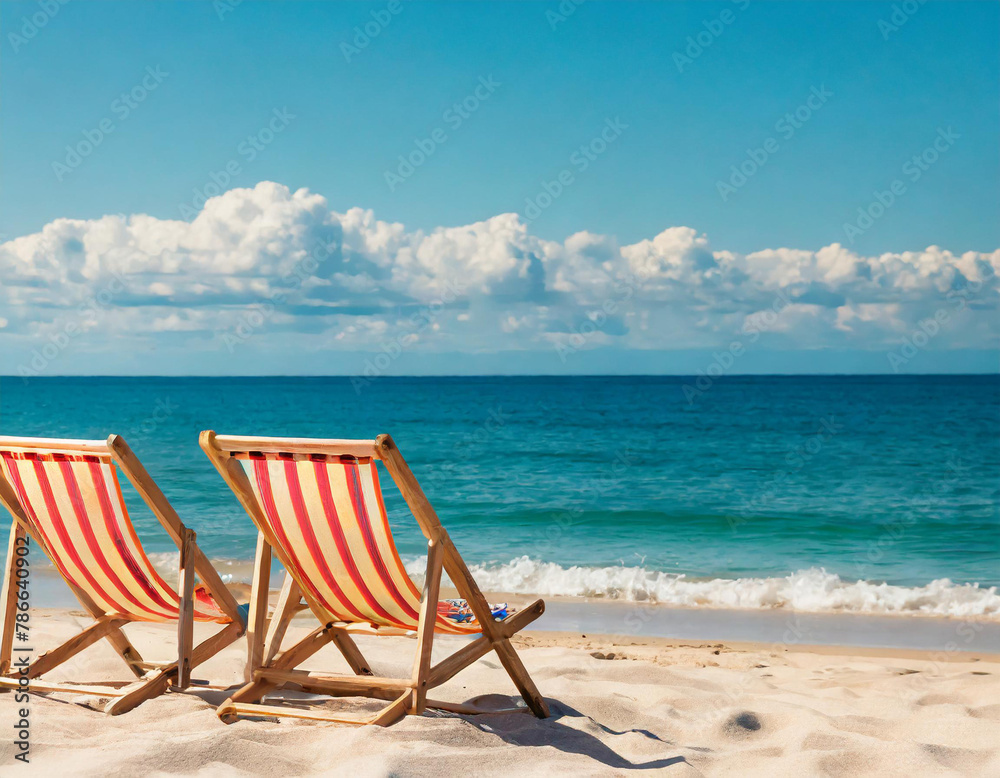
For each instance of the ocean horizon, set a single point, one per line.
(682, 315)
(854, 494)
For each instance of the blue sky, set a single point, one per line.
(870, 94)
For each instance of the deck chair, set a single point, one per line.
(318, 507)
(66, 501)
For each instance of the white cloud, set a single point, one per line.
(280, 263)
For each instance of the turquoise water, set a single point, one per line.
(613, 486)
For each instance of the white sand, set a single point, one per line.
(671, 708)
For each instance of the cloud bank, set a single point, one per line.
(268, 268)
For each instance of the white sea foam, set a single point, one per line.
(813, 590)
(806, 590)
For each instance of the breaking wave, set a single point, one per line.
(813, 590)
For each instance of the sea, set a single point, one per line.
(828, 494)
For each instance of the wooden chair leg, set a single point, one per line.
(393, 712)
(454, 664)
(152, 685)
(451, 666)
(121, 644)
(425, 626)
(288, 603)
(117, 639)
(458, 571)
(185, 620)
(260, 591)
(158, 681)
(256, 689)
(9, 596)
(390, 714)
(468, 588)
(73, 646)
(515, 669)
(351, 652)
(129, 654)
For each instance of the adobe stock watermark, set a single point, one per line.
(365, 33)
(247, 151)
(32, 25)
(260, 314)
(453, 117)
(733, 695)
(444, 473)
(892, 533)
(121, 108)
(562, 12)
(795, 459)
(724, 360)
(625, 288)
(786, 127)
(392, 349)
(23, 651)
(703, 39)
(162, 411)
(901, 14)
(65, 336)
(969, 630)
(596, 490)
(496, 420)
(224, 7)
(928, 329)
(913, 169)
(579, 161)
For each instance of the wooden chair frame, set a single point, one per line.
(268, 670)
(153, 678)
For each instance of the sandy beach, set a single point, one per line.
(594, 388)
(673, 707)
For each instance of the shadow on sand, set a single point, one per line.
(564, 730)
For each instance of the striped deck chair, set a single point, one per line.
(318, 506)
(66, 501)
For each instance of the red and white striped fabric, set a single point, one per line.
(74, 502)
(328, 515)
